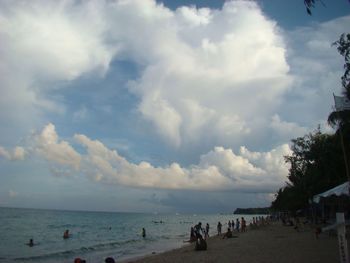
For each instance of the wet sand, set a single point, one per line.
(268, 244)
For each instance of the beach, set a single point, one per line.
(268, 244)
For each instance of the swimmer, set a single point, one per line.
(79, 260)
(143, 232)
(109, 260)
(31, 243)
(66, 234)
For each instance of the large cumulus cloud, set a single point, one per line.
(219, 169)
(204, 73)
(42, 43)
(218, 75)
(214, 73)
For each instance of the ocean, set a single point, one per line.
(94, 235)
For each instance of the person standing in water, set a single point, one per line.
(143, 232)
(219, 228)
(207, 229)
(66, 234)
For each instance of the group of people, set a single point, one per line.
(238, 226)
(197, 233)
(260, 221)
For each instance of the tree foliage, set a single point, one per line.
(316, 165)
(343, 47)
(309, 4)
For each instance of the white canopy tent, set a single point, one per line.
(339, 190)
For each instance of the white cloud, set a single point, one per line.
(218, 75)
(18, 153)
(54, 150)
(193, 17)
(273, 161)
(42, 43)
(51, 41)
(193, 61)
(285, 129)
(316, 67)
(4, 153)
(165, 117)
(207, 67)
(219, 169)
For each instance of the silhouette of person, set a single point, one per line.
(66, 234)
(109, 260)
(31, 243)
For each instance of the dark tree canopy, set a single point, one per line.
(309, 4)
(316, 165)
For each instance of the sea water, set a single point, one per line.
(94, 235)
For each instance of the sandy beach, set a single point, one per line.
(268, 244)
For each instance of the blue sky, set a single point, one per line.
(167, 106)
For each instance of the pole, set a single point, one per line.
(343, 246)
(345, 155)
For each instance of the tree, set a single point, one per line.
(316, 164)
(309, 4)
(343, 47)
(340, 118)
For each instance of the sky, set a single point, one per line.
(160, 106)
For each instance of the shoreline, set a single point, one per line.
(270, 243)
